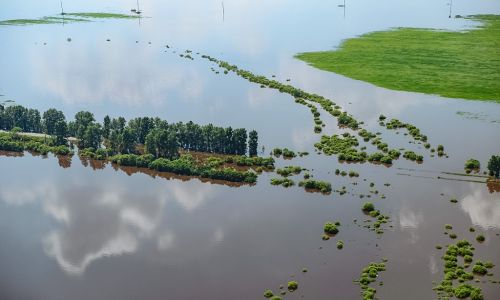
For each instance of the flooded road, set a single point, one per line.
(75, 232)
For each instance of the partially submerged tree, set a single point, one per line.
(494, 166)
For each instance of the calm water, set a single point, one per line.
(80, 233)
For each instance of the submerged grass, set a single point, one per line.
(67, 18)
(455, 64)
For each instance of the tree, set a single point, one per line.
(34, 123)
(240, 141)
(494, 166)
(106, 127)
(61, 132)
(16, 116)
(162, 143)
(50, 118)
(127, 140)
(84, 120)
(91, 138)
(141, 127)
(253, 138)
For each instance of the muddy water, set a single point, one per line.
(83, 232)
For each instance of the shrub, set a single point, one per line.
(268, 294)
(340, 244)
(293, 286)
(479, 269)
(472, 164)
(368, 207)
(322, 186)
(330, 228)
(480, 238)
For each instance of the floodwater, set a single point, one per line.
(70, 231)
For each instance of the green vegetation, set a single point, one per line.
(186, 164)
(472, 165)
(479, 268)
(330, 228)
(340, 245)
(285, 182)
(380, 219)
(292, 286)
(142, 142)
(289, 170)
(480, 238)
(253, 143)
(455, 270)
(413, 156)
(66, 18)
(368, 207)
(268, 294)
(448, 63)
(287, 153)
(102, 15)
(368, 276)
(494, 166)
(318, 185)
(343, 118)
(413, 130)
(15, 142)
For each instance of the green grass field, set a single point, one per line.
(455, 64)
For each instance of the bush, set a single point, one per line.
(288, 153)
(330, 228)
(479, 269)
(322, 186)
(268, 294)
(340, 244)
(368, 207)
(285, 182)
(472, 164)
(293, 286)
(480, 238)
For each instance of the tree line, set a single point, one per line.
(144, 134)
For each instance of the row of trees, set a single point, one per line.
(154, 135)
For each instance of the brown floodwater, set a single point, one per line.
(83, 229)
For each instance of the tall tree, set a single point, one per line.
(106, 127)
(162, 143)
(83, 120)
(61, 132)
(494, 166)
(127, 140)
(50, 118)
(240, 141)
(34, 121)
(91, 137)
(253, 143)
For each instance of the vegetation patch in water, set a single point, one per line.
(16, 142)
(316, 185)
(369, 275)
(456, 259)
(284, 182)
(66, 18)
(289, 170)
(438, 58)
(472, 165)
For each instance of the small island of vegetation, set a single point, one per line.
(142, 142)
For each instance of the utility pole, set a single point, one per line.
(223, 11)
(62, 9)
(451, 5)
